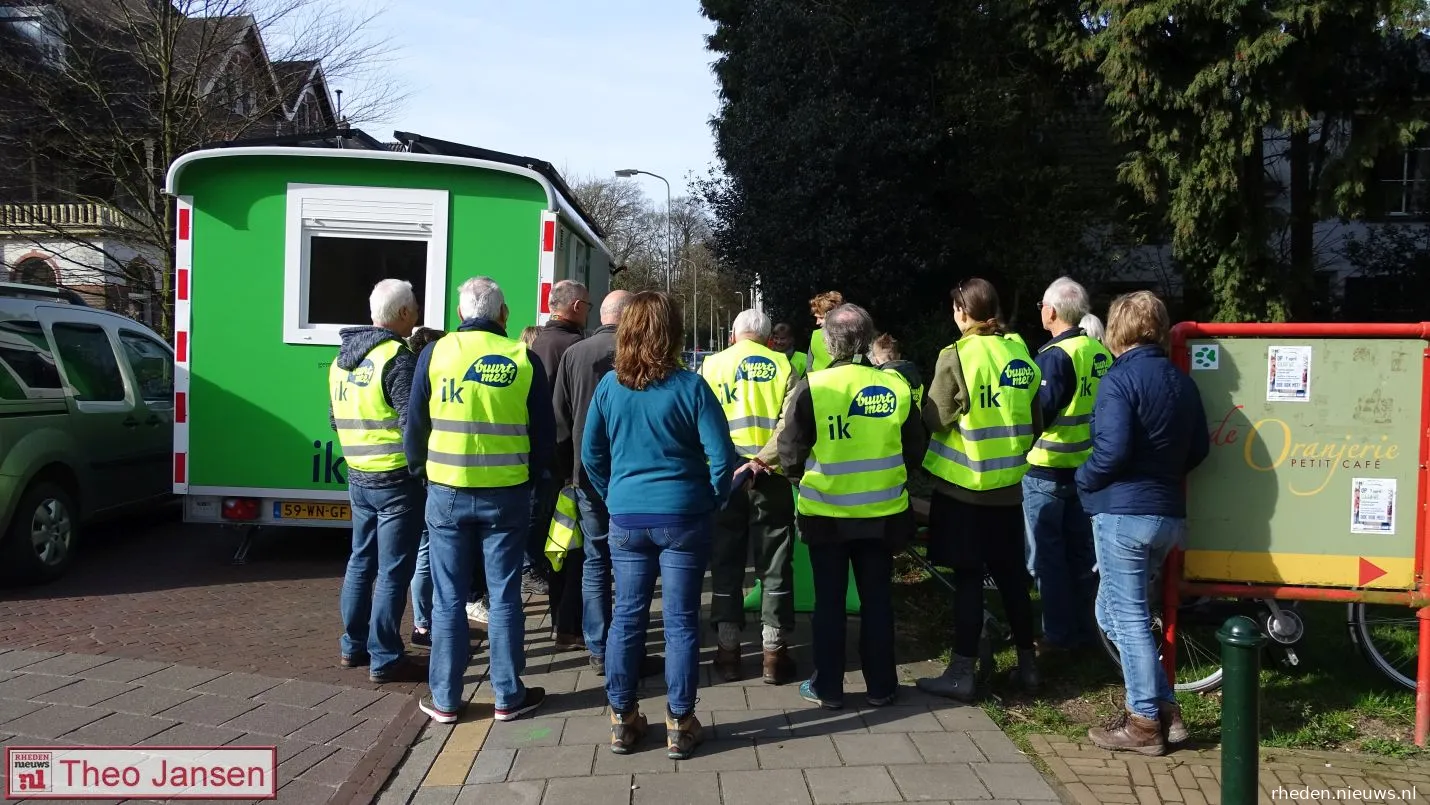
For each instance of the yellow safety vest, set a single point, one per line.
(1018, 339)
(1067, 442)
(367, 425)
(750, 381)
(799, 362)
(987, 448)
(856, 468)
(480, 436)
(565, 532)
(818, 352)
(918, 393)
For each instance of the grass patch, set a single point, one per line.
(1332, 699)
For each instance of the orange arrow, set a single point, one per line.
(1369, 572)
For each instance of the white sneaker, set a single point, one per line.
(477, 611)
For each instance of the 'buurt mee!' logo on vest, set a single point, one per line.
(1100, 364)
(757, 368)
(362, 375)
(498, 371)
(876, 402)
(1018, 374)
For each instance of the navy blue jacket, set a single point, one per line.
(1148, 431)
(542, 418)
(1055, 394)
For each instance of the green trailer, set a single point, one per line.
(278, 247)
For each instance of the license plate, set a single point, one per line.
(308, 510)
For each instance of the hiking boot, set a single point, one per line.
(727, 663)
(778, 666)
(353, 660)
(1026, 674)
(956, 682)
(682, 735)
(1169, 715)
(1130, 732)
(627, 730)
(568, 642)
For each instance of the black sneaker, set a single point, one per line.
(438, 714)
(532, 583)
(405, 669)
(421, 638)
(535, 697)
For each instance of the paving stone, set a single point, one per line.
(523, 733)
(435, 795)
(334, 769)
(587, 730)
(686, 788)
(181, 677)
(936, 781)
(997, 748)
(20, 658)
(876, 750)
(122, 670)
(350, 701)
(194, 735)
(11, 709)
(724, 697)
(774, 697)
(540, 762)
(965, 718)
(721, 755)
(560, 682)
(784, 786)
(147, 701)
(327, 727)
(649, 758)
(120, 729)
(386, 708)
(519, 793)
(851, 785)
(751, 724)
(288, 748)
(28, 686)
(65, 664)
(818, 721)
(796, 753)
(274, 719)
(491, 766)
(210, 709)
(947, 747)
(242, 686)
(302, 792)
(901, 719)
(603, 790)
(54, 721)
(85, 692)
(361, 737)
(1020, 781)
(298, 693)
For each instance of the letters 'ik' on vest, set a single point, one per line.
(987, 448)
(750, 381)
(480, 422)
(856, 468)
(367, 426)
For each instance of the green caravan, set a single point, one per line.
(278, 245)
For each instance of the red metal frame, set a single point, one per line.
(1419, 597)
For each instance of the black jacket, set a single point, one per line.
(552, 342)
(396, 386)
(582, 368)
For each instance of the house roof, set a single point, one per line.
(338, 137)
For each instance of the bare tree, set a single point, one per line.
(99, 97)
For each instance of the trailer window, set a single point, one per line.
(342, 240)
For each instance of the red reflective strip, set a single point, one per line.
(180, 460)
(548, 237)
(181, 347)
(545, 297)
(181, 406)
(182, 283)
(183, 224)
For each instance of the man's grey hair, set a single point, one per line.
(564, 294)
(388, 299)
(848, 331)
(480, 298)
(614, 305)
(1068, 299)
(752, 322)
(1092, 327)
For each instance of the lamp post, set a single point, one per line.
(628, 173)
(741, 294)
(695, 299)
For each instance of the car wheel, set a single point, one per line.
(43, 534)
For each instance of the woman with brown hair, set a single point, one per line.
(657, 449)
(819, 307)
(982, 412)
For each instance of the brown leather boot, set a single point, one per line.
(779, 667)
(626, 731)
(727, 663)
(1130, 732)
(1169, 714)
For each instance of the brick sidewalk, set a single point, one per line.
(1193, 776)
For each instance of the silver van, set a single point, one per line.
(86, 424)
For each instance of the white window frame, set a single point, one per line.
(297, 328)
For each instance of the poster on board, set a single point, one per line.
(1373, 506)
(1288, 374)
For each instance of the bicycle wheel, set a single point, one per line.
(1388, 636)
(1198, 651)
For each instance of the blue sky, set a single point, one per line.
(587, 86)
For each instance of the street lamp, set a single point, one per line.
(629, 173)
(695, 298)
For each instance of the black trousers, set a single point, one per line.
(977, 540)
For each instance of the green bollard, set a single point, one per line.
(1241, 642)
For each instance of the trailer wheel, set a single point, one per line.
(41, 540)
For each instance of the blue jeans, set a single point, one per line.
(422, 587)
(1130, 548)
(873, 575)
(387, 524)
(461, 522)
(679, 557)
(596, 574)
(1060, 557)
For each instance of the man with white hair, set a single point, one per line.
(1058, 531)
(752, 381)
(481, 429)
(368, 387)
